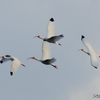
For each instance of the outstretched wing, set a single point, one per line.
(50, 28)
(15, 65)
(93, 56)
(45, 50)
(4, 60)
(87, 44)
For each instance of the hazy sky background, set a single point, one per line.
(75, 79)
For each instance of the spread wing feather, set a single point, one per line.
(15, 65)
(45, 50)
(93, 56)
(50, 28)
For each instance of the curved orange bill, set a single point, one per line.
(29, 58)
(79, 49)
(2, 57)
(35, 36)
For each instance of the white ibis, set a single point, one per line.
(15, 63)
(94, 58)
(50, 35)
(46, 55)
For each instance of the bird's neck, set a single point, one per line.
(45, 39)
(86, 52)
(37, 59)
(41, 37)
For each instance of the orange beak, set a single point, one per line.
(35, 36)
(2, 57)
(30, 58)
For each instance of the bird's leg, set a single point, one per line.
(54, 66)
(58, 43)
(23, 65)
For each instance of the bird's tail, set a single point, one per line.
(61, 35)
(53, 60)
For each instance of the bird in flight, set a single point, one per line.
(51, 33)
(45, 55)
(15, 63)
(94, 58)
(46, 47)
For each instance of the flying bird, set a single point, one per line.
(51, 32)
(46, 47)
(45, 55)
(94, 58)
(15, 63)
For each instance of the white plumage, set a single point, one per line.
(45, 55)
(50, 28)
(51, 38)
(15, 63)
(94, 58)
(45, 50)
(46, 59)
(45, 44)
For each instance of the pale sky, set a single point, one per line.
(75, 78)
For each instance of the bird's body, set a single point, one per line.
(51, 32)
(54, 39)
(15, 63)
(45, 55)
(94, 58)
(46, 59)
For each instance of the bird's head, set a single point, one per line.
(81, 50)
(6, 56)
(31, 58)
(38, 37)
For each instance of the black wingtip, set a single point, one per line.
(95, 67)
(82, 37)
(1, 61)
(61, 35)
(11, 73)
(52, 20)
